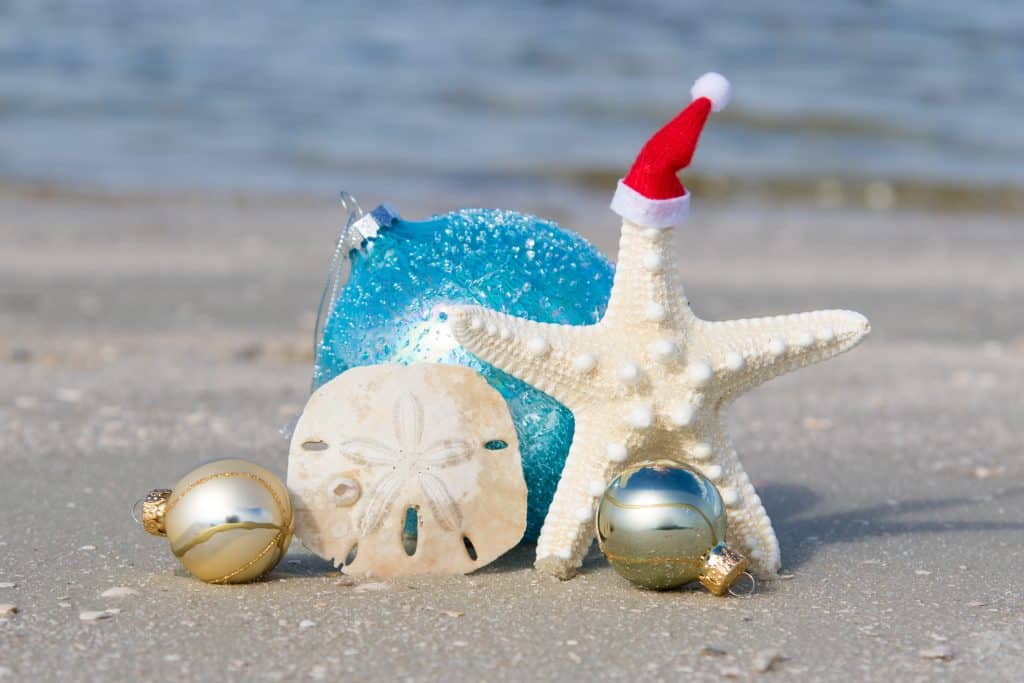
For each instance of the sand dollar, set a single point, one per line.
(398, 470)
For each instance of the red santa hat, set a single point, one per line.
(651, 195)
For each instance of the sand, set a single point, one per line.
(141, 335)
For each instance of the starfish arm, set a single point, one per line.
(747, 353)
(539, 354)
(568, 529)
(647, 290)
(749, 527)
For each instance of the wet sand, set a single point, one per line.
(143, 334)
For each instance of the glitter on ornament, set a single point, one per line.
(405, 276)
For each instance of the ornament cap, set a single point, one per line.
(722, 567)
(367, 225)
(153, 511)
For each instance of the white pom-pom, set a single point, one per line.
(715, 87)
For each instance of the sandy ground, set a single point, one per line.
(142, 335)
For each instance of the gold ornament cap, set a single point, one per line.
(722, 567)
(153, 507)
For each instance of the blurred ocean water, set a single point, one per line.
(315, 96)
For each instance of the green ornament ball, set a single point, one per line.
(662, 524)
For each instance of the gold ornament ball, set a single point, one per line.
(227, 522)
(662, 524)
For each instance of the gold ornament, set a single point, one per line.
(662, 524)
(227, 522)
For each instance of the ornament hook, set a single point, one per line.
(747, 594)
(349, 203)
(135, 510)
(335, 273)
(359, 226)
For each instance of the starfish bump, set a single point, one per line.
(652, 380)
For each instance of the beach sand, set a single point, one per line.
(143, 334)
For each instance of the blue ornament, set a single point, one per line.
(401, 276)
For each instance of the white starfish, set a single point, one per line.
(649, 381)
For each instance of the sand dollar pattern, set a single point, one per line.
(409, 458)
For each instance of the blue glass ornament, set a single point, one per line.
(392, 280)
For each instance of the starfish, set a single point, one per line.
(652, 381)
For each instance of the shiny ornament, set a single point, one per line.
(383, 448)
(227, 522)
(651, 377)
(393, 282)
(662, 525)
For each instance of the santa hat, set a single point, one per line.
(651, 195)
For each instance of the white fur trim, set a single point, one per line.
(647, 212)
(715, 87)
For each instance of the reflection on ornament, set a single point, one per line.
(662, 525)
(227, 522)
(403, 276)
(402, 470)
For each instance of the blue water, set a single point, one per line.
(317, 96)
